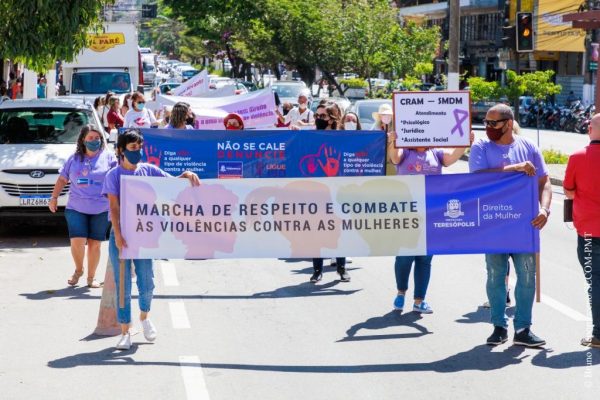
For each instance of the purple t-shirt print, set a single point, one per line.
(486, 154)
(428, 162)
(86, 179)
(112, 183)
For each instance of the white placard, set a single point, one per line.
(432, 119)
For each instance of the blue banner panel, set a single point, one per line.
(481, 213)
(266, 154)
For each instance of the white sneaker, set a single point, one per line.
(124, 342)
(149, 330)
(349, 260)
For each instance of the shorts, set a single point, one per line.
(90, 226)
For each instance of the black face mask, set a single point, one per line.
(321, 123)
(285, 112)
(190, 121)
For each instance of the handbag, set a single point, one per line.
(568, 210)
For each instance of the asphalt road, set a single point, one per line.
(257, 329)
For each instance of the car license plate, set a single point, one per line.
(35, 201)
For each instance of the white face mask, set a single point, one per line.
(350, 126)
(386, 119)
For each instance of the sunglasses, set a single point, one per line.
(493, 123)
(321, 116)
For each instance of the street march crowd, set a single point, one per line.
(94, 172)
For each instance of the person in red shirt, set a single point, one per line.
(114, 117)
(582, 184)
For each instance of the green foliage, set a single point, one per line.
(536, 84)
(410, 83)
(423, 68)
(482, 89)
(39, 32)
(411, 45)
(555, 157)
(356, 83)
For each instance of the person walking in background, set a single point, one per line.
(503, 151)
(41, 88)
(582, 184)
(351, 122)
(129, 152)
(328, 118)
(87, 210)
(139, 116)
(126, 104)
(114, 118)
(417, 161)
(233, 122)
(301, 115)
(179, 117)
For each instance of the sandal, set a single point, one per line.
(93, 283)
(75, 278)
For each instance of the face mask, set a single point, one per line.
(92, 145)
(140, 106)
(321, 123)
(190, 121)
(386, 119)
(494, 134)
(232, 128)
(133, 156)
(350, 126)
(302, 106)
(285, 111)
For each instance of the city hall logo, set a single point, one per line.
(453, 209)
(453, 216)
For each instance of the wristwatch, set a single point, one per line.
(547, 211)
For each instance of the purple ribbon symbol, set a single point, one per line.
(459, 116)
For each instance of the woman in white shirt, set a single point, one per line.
(138, 115)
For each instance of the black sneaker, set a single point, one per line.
(499, 336)
(316, 276)
(344, 276)
(527, 338)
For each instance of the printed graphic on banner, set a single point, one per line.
(322, 217)
(230, 169)
(267, 154)
(194, 86)
(461, 211)
(432, 119)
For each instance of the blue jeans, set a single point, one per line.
(422, 273)
(588, 252)
(524, 264)
(145, 282)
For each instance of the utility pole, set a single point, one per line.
(453, 51)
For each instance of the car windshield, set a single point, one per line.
(101, 82)
(42, 125)
(365, 111)
(189, 73)
(168, 87)
(148, 67)
(288, 90)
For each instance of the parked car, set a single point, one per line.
(186, 73)
(36, 138)
(365, 108)
(342, 102)
(166, 87)
(149, 71)
(289, 91)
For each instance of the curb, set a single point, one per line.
(553, 179)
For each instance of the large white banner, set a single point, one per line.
(256, 108)
(196, 85)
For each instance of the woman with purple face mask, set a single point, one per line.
(87, 210)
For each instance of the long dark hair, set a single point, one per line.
(179, 114)
(80, 150)
(132, 135)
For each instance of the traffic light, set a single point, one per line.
(524, 31)
(149, 10)
(508, 37)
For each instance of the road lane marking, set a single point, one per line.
(169, 274)
(179, 316)
(193, 378)
(557, 305)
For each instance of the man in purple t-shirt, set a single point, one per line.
(504, 151)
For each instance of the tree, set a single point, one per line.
(39, 32)
(411, 46)
(482, 89)
(537, 84)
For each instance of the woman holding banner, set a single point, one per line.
(417, 161)
(328, 118)
(129, 152)
(87, 210)
(179, 116)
